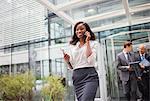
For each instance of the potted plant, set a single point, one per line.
(53, 89)
(16, 87)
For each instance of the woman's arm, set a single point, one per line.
(88, 47)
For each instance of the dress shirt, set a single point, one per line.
(78, 57)
(142, 56)
(125, 54)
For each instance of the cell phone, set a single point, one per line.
(84, 36)
(70, 66)
(85, 33)
(63, 51)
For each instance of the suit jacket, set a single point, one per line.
(147, 57)
(122, 66)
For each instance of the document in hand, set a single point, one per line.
(134, 64)
(136, 67)
(145, 62)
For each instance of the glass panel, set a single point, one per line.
(97, 8)
(19, 60)
(141, 26)
(5, 61)
(4, 69)
(20, 48)
(45, 69)
(1, 51)
(60, 31)
(57, 2)
(137, 2)
(140, 37)
(38, 59)
(60, 68)
(99, 23)
(112, 44)
(140, 15)
(106, 33)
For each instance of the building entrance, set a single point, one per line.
(112, 46)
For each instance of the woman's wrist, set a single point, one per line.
(67, 61)
(88, 42)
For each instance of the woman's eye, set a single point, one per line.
(81, 29)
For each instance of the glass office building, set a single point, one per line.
(33, 31)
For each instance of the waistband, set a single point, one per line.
(84, 68)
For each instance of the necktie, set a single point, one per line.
(129, 57)
(142, 57)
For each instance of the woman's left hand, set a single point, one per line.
(88, 36)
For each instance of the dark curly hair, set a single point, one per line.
(75, 39)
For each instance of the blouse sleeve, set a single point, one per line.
(92, 58)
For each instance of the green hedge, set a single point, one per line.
(16, 87)
(53, 90)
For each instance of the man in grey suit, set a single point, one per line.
(127, 74)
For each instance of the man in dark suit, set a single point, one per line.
(127, 74)
(145, 74)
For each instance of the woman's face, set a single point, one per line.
(80, 30)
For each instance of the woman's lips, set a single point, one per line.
(80, 35)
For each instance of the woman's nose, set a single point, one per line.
(79, 31)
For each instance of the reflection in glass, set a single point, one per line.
(140, 15)
(60, 31)
(137, 2)
(99, 23)
(100, 7)
(4, 69)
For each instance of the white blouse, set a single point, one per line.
(78, 57)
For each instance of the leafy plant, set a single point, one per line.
(54, 89)
(16, 87)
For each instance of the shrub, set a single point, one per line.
(16, 87)
(53, 89)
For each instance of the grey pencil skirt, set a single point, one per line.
(86, 82)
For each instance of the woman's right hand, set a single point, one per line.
(66, 58)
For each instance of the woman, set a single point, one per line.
(82, 59)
